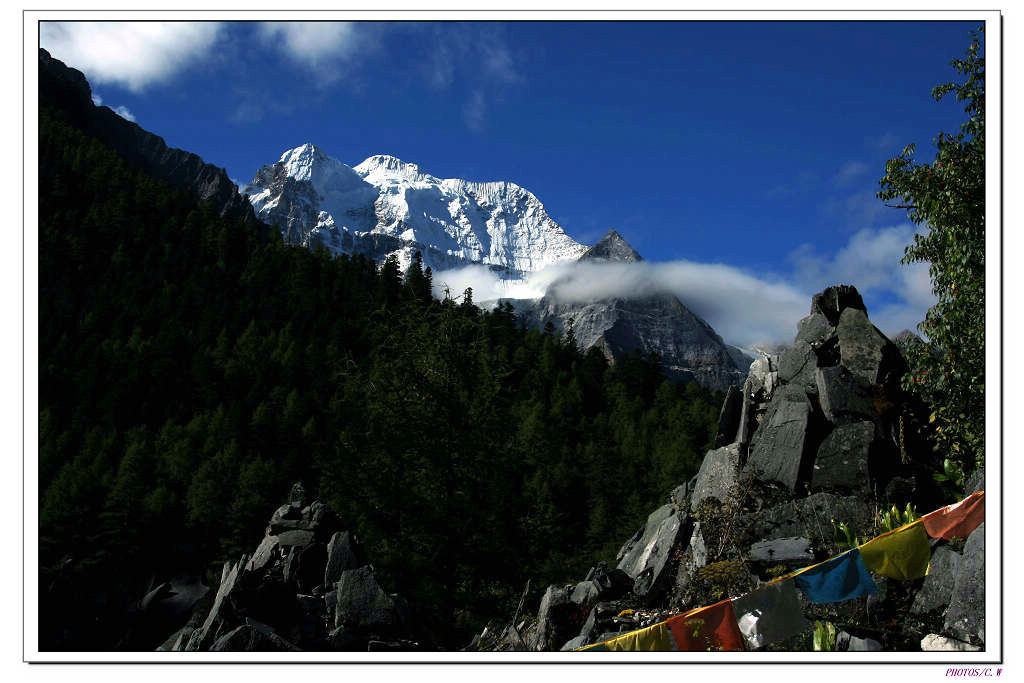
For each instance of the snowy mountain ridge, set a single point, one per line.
(387, 206)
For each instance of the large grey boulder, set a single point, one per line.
(933, 642)
(296, 537)
(849, 643)
(556, 618)
(779, 448)
(266, 553)
(719, 473)
(937, 589)
(729, 417)
(845, 398)
(362, 604)
(252, 637)
(220, 613)
(808, 518)
(843, 460)
(975, 482)
(865, 351)
(601, 584)
(647, 555)
(782, 550)
(814, 329)
(965, 616)
(344, 551)
(797, 366)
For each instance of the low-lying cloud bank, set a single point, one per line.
(745, 308)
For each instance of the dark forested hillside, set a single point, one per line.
(192, 366)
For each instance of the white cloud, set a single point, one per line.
(849, 172)
(886, 141)
(134, 55)
(744, 308)
(123, 112)
(97, 100)
(741, 307)
(314, 43)
(474, 111)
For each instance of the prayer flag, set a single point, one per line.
(708, 628)
(957, 520)
(770, 614)
(844, 577)
(902, 554)
(656, 638)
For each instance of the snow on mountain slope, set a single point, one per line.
(385, 205)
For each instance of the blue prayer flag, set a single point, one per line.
(844, 577)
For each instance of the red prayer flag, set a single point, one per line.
(959, 519)
(708, 628)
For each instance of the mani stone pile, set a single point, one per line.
(308, 586)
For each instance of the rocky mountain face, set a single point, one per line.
(309, 585)
(67, 89)
(387, 206)
(814, 438)
(690, 350)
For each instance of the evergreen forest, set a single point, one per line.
(192, 367)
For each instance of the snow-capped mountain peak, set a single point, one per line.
(385, 205)
(386, 167)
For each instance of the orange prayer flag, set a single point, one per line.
(708, 628)
(958, 520)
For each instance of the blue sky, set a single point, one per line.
(753, 148)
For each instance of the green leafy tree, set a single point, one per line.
(947, 198)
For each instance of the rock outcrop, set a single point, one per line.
(689, 348)
(812, 439)
(308, 586)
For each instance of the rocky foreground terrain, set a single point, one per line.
(818, 436)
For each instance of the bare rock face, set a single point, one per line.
(612, 247)
(718, 474)
(781, 450)
(965, 616)
(66, 89)
(647, 557)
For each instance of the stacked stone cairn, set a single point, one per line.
(308, 586)
(815, 437)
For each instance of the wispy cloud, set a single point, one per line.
(745, 308)
(475, 110)
(472, 57)
(124, 113)
(886, 141)
(870, 261)
(134, 55)
(803, 182)
(849, 172)
(318, 44)
(742, 307)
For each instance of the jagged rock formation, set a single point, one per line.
(308, 586)
(689, 349)
(67, 89)
(812, 438)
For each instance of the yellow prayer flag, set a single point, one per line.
(657, 638)
(902, 554)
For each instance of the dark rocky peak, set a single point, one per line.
(309, 585)
(612, 247)
(67, 91)
(834, 300)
